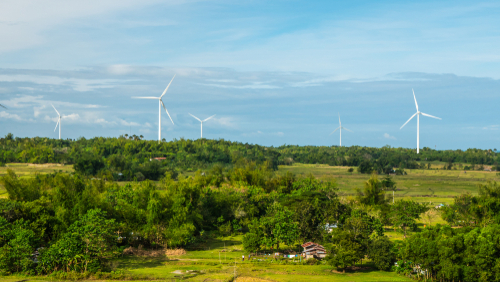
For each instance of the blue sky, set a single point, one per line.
(274, 72)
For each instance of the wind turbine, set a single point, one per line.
(3, 106)
(202, 121)
(418, 113)
(340, 127)
(160, 104)
(58, 122)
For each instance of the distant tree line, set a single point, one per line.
(133, 158)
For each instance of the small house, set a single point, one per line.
(313, 250)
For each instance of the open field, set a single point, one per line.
(436, 186)
(207, 266)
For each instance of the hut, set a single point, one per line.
(313, 250)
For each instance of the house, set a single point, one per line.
(313, 250)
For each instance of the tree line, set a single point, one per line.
(133, 158)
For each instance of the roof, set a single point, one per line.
(312, 245)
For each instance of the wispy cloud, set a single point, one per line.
(387, 136)
(492, 127)
(4, 114)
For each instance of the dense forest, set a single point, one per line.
(129, 157)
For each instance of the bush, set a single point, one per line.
(312, 261)
(365, 167)
(251, 242)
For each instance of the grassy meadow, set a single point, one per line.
(219, 263)
(221, 258)
(435, 185)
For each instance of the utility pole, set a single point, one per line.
(234, 269)
(220, 262)
(393, 197)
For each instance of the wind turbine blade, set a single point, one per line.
(3, 106)
(346, 129)
(408, 120)
(196, 118)
(208, 118)
(56, 125)
(416, 105)
(430, 116)
(55, 110)
(166, 111)
(335, 130)
(156, 98)
(167, 86)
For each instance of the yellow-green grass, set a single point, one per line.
(212, 267)
(438, 186)
(206, 265)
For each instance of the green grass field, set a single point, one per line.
(213, 264)
(433, 186)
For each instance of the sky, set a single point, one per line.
(273, 72)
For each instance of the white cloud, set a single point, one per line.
(24, 21)
(225, 121)
(37, 110)
(255, 85)
(4, 114)
(126, 123)
(78, 84)
(492, 127)
(387, 136)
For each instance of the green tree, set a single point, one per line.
(381, 253)
(346, 251)
(373, 192)
(279, 226)
(405, 213)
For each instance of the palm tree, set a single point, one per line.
(141, 136)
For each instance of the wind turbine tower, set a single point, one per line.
(418, 113)
(340, 128)
(58, 122)
(160, 104)
(202, 121)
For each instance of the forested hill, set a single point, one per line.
(129, 155)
